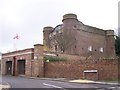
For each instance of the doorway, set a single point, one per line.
(21, 67)
(9, 67)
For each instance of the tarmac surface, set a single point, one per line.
(21, 82)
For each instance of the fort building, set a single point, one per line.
(74, 37)
(73, 40)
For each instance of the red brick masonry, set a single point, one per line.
(107, 69)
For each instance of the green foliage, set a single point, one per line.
(117, 45)
(54, 58)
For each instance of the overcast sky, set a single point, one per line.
(28, 17)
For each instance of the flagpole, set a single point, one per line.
(14, 47)
(15, 40)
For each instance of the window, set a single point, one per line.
(54, 33)
(90, 48)
(101, 49)
(60, 31)
(50, 35)
(75, 26)
(75, 46)
(56, 48)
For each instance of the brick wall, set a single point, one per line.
(38, 65)
(74, 68)
(90, 39)
(26, 54)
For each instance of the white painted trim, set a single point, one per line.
(17, 54)
(90, 70)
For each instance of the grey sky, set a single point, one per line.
(28, 17)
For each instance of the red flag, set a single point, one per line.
(16, 37)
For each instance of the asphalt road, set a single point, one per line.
(31, 84)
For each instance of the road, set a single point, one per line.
(22, 82)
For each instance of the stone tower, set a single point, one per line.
(46, 31)
(110, 43)
(70, 22)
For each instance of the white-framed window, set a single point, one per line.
(60, 31)
(54, 33)
(90, 48)
(101, 49)
(50, 36)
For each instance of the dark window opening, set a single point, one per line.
(75, 46)
(75, 26)
(56, 48)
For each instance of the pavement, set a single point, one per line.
(97, 82)
(7, 85)
(4, 85)
(77, 81)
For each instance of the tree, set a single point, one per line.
(117, 45)
(63, 40)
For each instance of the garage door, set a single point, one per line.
(9, 67)
(21, 67)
